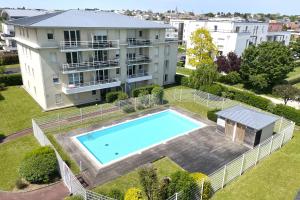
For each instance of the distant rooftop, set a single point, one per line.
(86, 19)
(21, 13)
(248, 117)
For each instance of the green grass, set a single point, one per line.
(184, 71)
(11, 155)
(11, 66)
(294, 74)
(165, 167)
(276, 177)
(297, 85)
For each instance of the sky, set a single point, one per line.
(291, 7)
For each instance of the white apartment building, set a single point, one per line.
(8, 32)
(75, 57)
(229, 35)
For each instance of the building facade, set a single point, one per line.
(76, 57)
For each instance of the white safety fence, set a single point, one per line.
(69, 179)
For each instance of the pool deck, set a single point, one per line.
(203, 150)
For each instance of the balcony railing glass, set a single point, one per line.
(140, 74)
(138, 60)
(91, 83)
(138, 42)
(89, 45)
(89, 66)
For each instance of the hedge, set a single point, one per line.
(287, 112)
(211, 115)
(182, 80)
(148, 88)
(113, 96)
(11, 79)
(9, 59)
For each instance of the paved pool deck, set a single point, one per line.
(204, 150)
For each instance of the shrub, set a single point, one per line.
(116, 194)
(143, 98)
(287, 112)
(74, 197)
(20, 184)
(11, 79)
(162, 193)
(39, 166)
(148, 180)
(2, 69)
(149, 88)
(9, 59)
(113, 96)
(128, 109)
(182, 181)
(158, 95)
(231, 78)
(211, 115)
(2, 86)
(207, 188)
(213, 89)
(185, 81)
(133, 194)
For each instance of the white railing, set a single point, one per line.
(88, 66)
(138, 60)
(91, 83)
(139, 42)
(141, 74)
(105, 44)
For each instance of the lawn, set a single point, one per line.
(11, 154)
(11, 66)
(164, 166)
(294, 74)
(184, 71)
(276, 177)
(297, 85)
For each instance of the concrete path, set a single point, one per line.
(15, 70)
(293, 104)
(57, 191)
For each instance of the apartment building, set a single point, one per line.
(75, 57)
(230, 35)
(8, 43)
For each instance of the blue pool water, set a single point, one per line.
(119, 141)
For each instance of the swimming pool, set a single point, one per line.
(116, 142)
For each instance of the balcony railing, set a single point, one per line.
(142, 76)
(138, 60)
(89, 45)
(132, 42)
(228, 31)
(89, 66)
(7, 36)
(89, 86)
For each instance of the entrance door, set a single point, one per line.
(229, 127)
(257, 138)
(240, 133)
(73, 57)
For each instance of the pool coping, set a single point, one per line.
(100, 165)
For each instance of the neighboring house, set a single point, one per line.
(8, 32)
(245, 126)
(75, 57)
(229, 35)
(276, 33)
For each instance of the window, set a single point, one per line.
(58, 99)
(141, 33)
(167, 50)
(118, 71)
(94, 92)
(140, 51)
(237, 29)
(157, 36)
(52, 57)
(155, 67)
(50, 36)
(55, 79)
(166, 78)
(156, 51)
(75, 79)
(27, 34)
(216, 27)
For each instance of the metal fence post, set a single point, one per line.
(101, 110)
(135, 103)
(223, 103)
(242, 165)
(207, 102)
(280, 125)
(224, 176)
(58, 119)
(149, 99)
(202, 188)
(80, 165)
(176, 196)
(194, 97)
(180, 94)
(283, 136)
(258, 152)
(271, 145)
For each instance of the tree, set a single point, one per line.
(295, 47)
(229, 64)
(149, 181)
(287, 92)
(266, 65)
(205, 75)
(203, 50)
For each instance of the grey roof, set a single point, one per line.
(248, 117)
(18, 13)
(86, 19)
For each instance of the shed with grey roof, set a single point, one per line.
(246, 126)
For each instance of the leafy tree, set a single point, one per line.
(205, 75)
(162, 193)
(295, 47)
(149, 181)
(266, 65)
(287, 92)
(228, 64)
(231, 78)
(203, 50)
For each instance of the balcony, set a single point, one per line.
(143, 76)
(89, 66)
(136, 43)
(5, 36)
(70, 46)
(89, 86)
(139, 60)
(9, 48)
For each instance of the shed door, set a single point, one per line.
(229, 126)
(240, 133)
